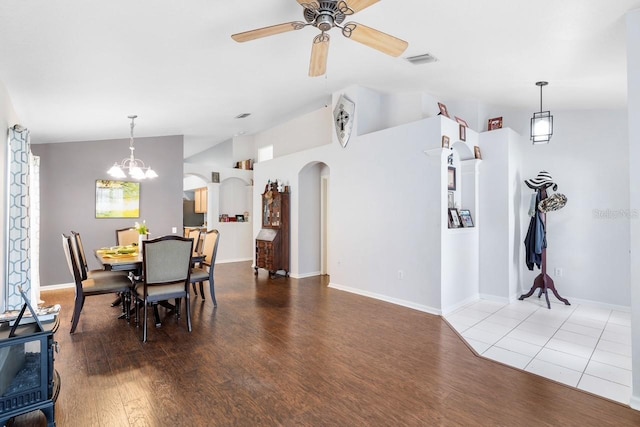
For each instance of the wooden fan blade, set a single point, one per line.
(267, 31)
(375, 39)
(358, 5)
(303, 2)
(319, 54)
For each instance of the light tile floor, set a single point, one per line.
(578, 345)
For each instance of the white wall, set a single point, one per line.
(309, 219)
(589, 238)
(585, 157)
(302, 133)
(501, 244)
(377, 214)
(633, 111)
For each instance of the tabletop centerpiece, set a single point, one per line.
(143, 232)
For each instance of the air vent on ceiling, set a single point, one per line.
(243, 115)
(426, 58)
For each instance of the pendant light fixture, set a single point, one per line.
(541, 123)
(135, 167)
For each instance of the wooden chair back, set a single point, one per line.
(81, 257)
(196, 235)
(210, 247)
(127, 236)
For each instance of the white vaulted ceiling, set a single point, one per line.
(75, 69)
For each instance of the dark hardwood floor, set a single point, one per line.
(296, 353)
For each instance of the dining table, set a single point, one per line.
(129, 258)
(120, 258)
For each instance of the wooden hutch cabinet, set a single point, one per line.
(272, 242)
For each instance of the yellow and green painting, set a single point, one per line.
(117, 199)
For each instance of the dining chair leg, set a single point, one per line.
(77, 309)
(178, 303)
(137, 312)
(156, 315)
(194, 289)
(202, 290)
(144, 323)
(188, 309)
(213, 293)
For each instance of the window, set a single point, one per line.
(265, 153)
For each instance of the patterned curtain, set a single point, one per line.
(18, 268)
(34, 226)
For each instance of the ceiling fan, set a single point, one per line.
(325, 15)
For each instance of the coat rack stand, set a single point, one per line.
(543, 281)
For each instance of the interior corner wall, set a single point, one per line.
(7, 118)
(588, 240)
(309, 219)
(302, 133)
(633, 114)
(220, 155)
(500, 231)
(68, 173)
(244, 148)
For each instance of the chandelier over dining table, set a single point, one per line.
(135, 167)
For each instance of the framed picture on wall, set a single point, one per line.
(215, 177)
(117, 199)
(463, 133)
(476, 152)
(443, 109)
(451, 178)
(451, 199)
(445, 141)
(454, 218)
(461, 121)
(465, 218)
(495, 123)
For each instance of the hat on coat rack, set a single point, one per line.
(554, 202)
(543, 180)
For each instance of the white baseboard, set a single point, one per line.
(396, 301)
(501, 300)
(635, 402)
(450, 309)
(305, 275)
(581, 301)
(57, 287)
(226, 261)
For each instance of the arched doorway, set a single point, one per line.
(313, 219)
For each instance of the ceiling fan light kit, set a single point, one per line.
(325, 15)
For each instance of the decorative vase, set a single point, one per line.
(141, 237)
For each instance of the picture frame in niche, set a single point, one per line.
(443, 109)
(495, 123)
(463, 133)
(451, 200)
(465, 218)
(445, 141)
(461, 121)
(117, 199)
(451, 178)
(454, 218)
(239, 218)
(215, 177)
(476, 152)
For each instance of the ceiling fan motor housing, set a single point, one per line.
(323, 15)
